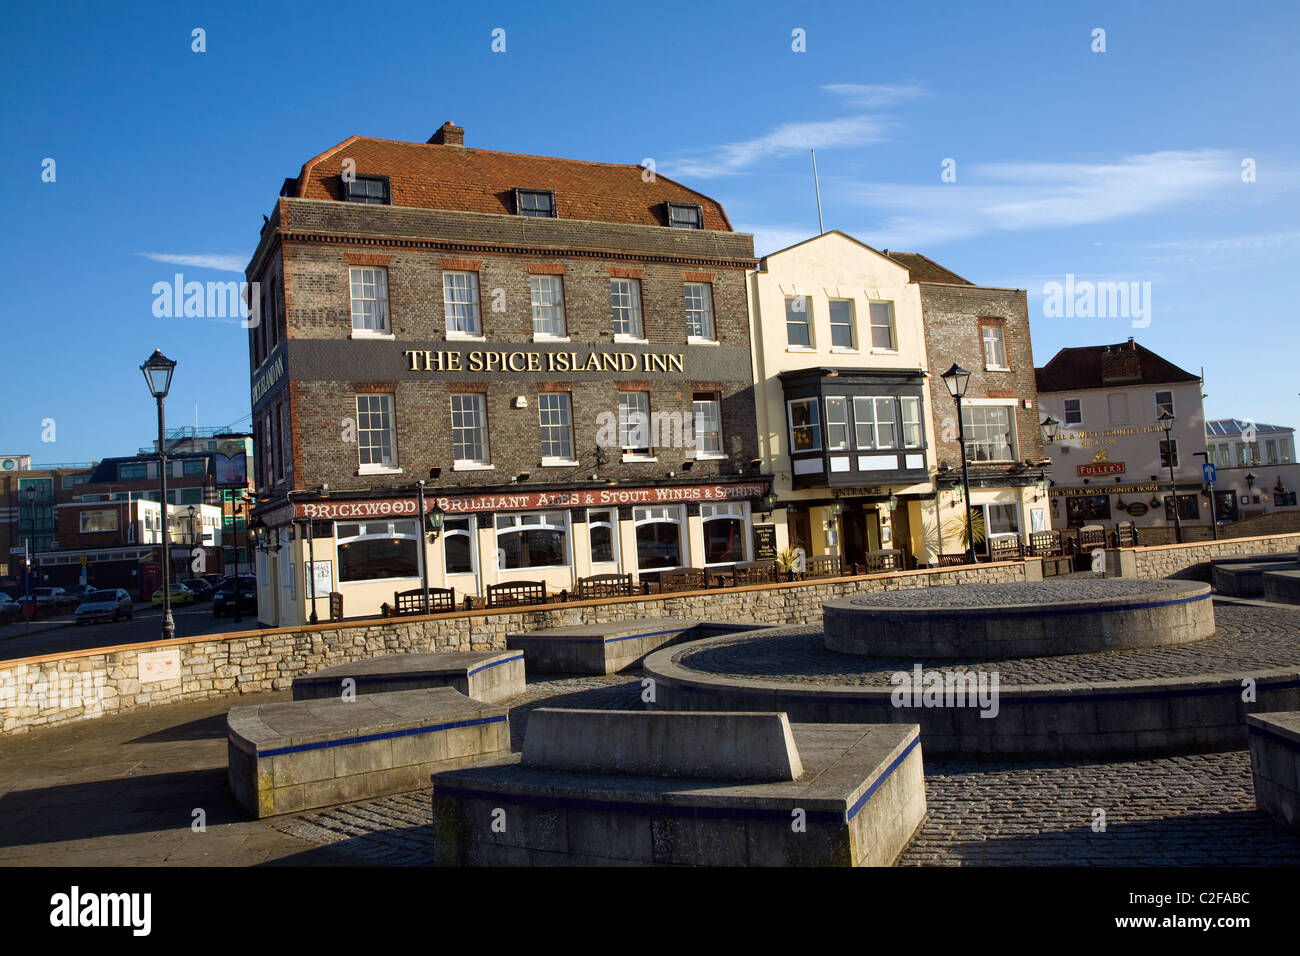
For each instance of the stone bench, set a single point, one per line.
(1245, 578)
(294, 755)
(1275, 764)
(626, 789)
(489, 676)
(1282, 587)
(608, 648)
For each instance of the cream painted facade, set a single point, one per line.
(859, 467)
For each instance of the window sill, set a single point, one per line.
(800, 348)
(710, 456)
(465, 337)
(633, 457)
(699, 340)
(471, 466)
(378, 470)
(996, 368)
(559, 463)
(876, 351)
(623, 339)
(844, 350)
(381, 336)
(542, 337)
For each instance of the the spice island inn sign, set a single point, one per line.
(491, 360)
(525, 501)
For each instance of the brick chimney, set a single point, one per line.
(1121, 363)
(449, 134)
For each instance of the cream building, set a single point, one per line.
(843, 412)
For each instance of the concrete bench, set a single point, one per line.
(1245, 578)
(609, 648)
(1275, 764)
(489, 676)
(857, 799)
(1282, 587)
(294, 755)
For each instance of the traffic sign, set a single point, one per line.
(1207, 472)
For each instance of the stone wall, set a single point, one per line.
(81, 685)
(1167, 560)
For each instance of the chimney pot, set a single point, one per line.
(449, 134)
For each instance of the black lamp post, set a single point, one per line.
(1250, 487)
(157, 371)
(241, 507)
(957, 379)
(1166, 421)
(1050, 427)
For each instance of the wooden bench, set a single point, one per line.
(683, 579)
(603, 586)
(412, 602)
(826, 566)
(1125, 535)
(885, 559)
(1091, 537)
(1048, 544)
(516, 593)
(951, 560)
(756, 572)
(1009, 548)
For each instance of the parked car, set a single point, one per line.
(10, 610)
(224, 600)
(52, 600)
(202, 589)
(180, 595)
(79, 592)
(215, 580)
(109, 604)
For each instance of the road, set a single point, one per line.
(59, 634)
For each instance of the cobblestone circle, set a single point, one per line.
(1246, 640)
(1014, 594)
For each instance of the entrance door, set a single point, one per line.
(901, 523)
(800, 530)
(856, 542)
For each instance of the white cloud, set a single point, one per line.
(875, 95)
(769, 239)
(781, 141)
(1043, 195)
(218, 262)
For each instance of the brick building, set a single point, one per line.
(985, 330)
(29, 500)
(558, 349)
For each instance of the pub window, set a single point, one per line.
(1086, 510)
(625, 308)
(458, 545)
(375, 432)
(1169, 453)
(658, 537)
(989, 432)
(1002, 519)
(875, 424)
(1073, 411)
(469, 443)
(995, 348)
(378, 550)
(685, 216)
(556, 421)
(724, 532)
(536, 540)
(602, 530)
(547, 293)
(1164, 403)
(634, 423)
(798, 321)
(805, 428)
(707, 408)
(460, 303)
(882, 327)
(911, 407)
(1188, 508)
(837, 423)
(373, 190)
(699, 311)
(369, 287)
(842, 324)
(539, 203)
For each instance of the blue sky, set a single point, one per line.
(1115, 166)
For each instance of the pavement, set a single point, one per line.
(125, 790)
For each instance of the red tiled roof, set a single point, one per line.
(1081, 368)
(923, 269)
(437, 176)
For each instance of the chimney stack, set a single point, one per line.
(449, 134)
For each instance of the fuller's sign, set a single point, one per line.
(526, 501)
(1100, 468)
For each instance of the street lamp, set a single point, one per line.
(957, 379)
(1166, 422)
(1050, 427)
(1250, 487)
(157, 371)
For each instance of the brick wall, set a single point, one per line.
(82, 685)
(953, 334)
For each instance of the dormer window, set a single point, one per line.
(685, 216)
(535, 202)
(367, 189)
